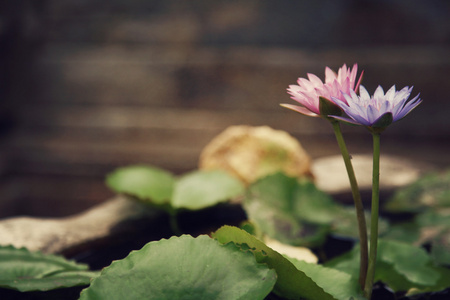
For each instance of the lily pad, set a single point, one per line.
(337, 283)
(194, 191)
(283, 226)
(201, 189)
(428, 228)
(440, 247)
(407, 232)
(26, 271)
(148, 184)
(401, 256)
(345, 223)
(435, 229)
(184, 268)
(292, 283)
(313, 205)
(401, 266)
(292, 211)
(430, 191)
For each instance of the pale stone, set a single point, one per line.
(331, 176)
(300, 253)
(53, 235)
(250, 153)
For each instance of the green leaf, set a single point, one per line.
(435, 229)
(430, 227)
(347, 262)
(277, 190)
(407, 232)
(267, 205)
(412, 262)
(434, 219)
(201, 189)
(442, 284)
(25, 271)
(398, 282)
(401, 266)
(440, 247)
(183, 268)
(292, 283)
(196, 190)
(148, 184)
(283, 226)
(290, 211)
(345, 223)
(386, 272)
(64, 279)
(429, 191)
(313, 205)
(339, 284)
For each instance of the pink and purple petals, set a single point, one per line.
(379, 110)
(308, 91)
(300, 109)
(408, 108)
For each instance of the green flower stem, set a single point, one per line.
(358, 204)
(374, 218)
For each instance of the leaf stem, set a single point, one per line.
(173, 222)
(357, 201)
(374, 218)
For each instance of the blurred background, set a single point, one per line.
(87, 86)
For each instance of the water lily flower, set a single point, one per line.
(317, 99)
(311, 93)
(379, 110)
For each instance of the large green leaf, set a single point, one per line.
(339, 284)
(184, 268)
(148, 184)
(347, 262)
(25, 271)
(399, 282)
(292, 283)
(412, 262)
(201, 189)
(293, 211)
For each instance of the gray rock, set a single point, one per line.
(55, 235)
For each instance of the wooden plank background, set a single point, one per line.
(89, 86)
